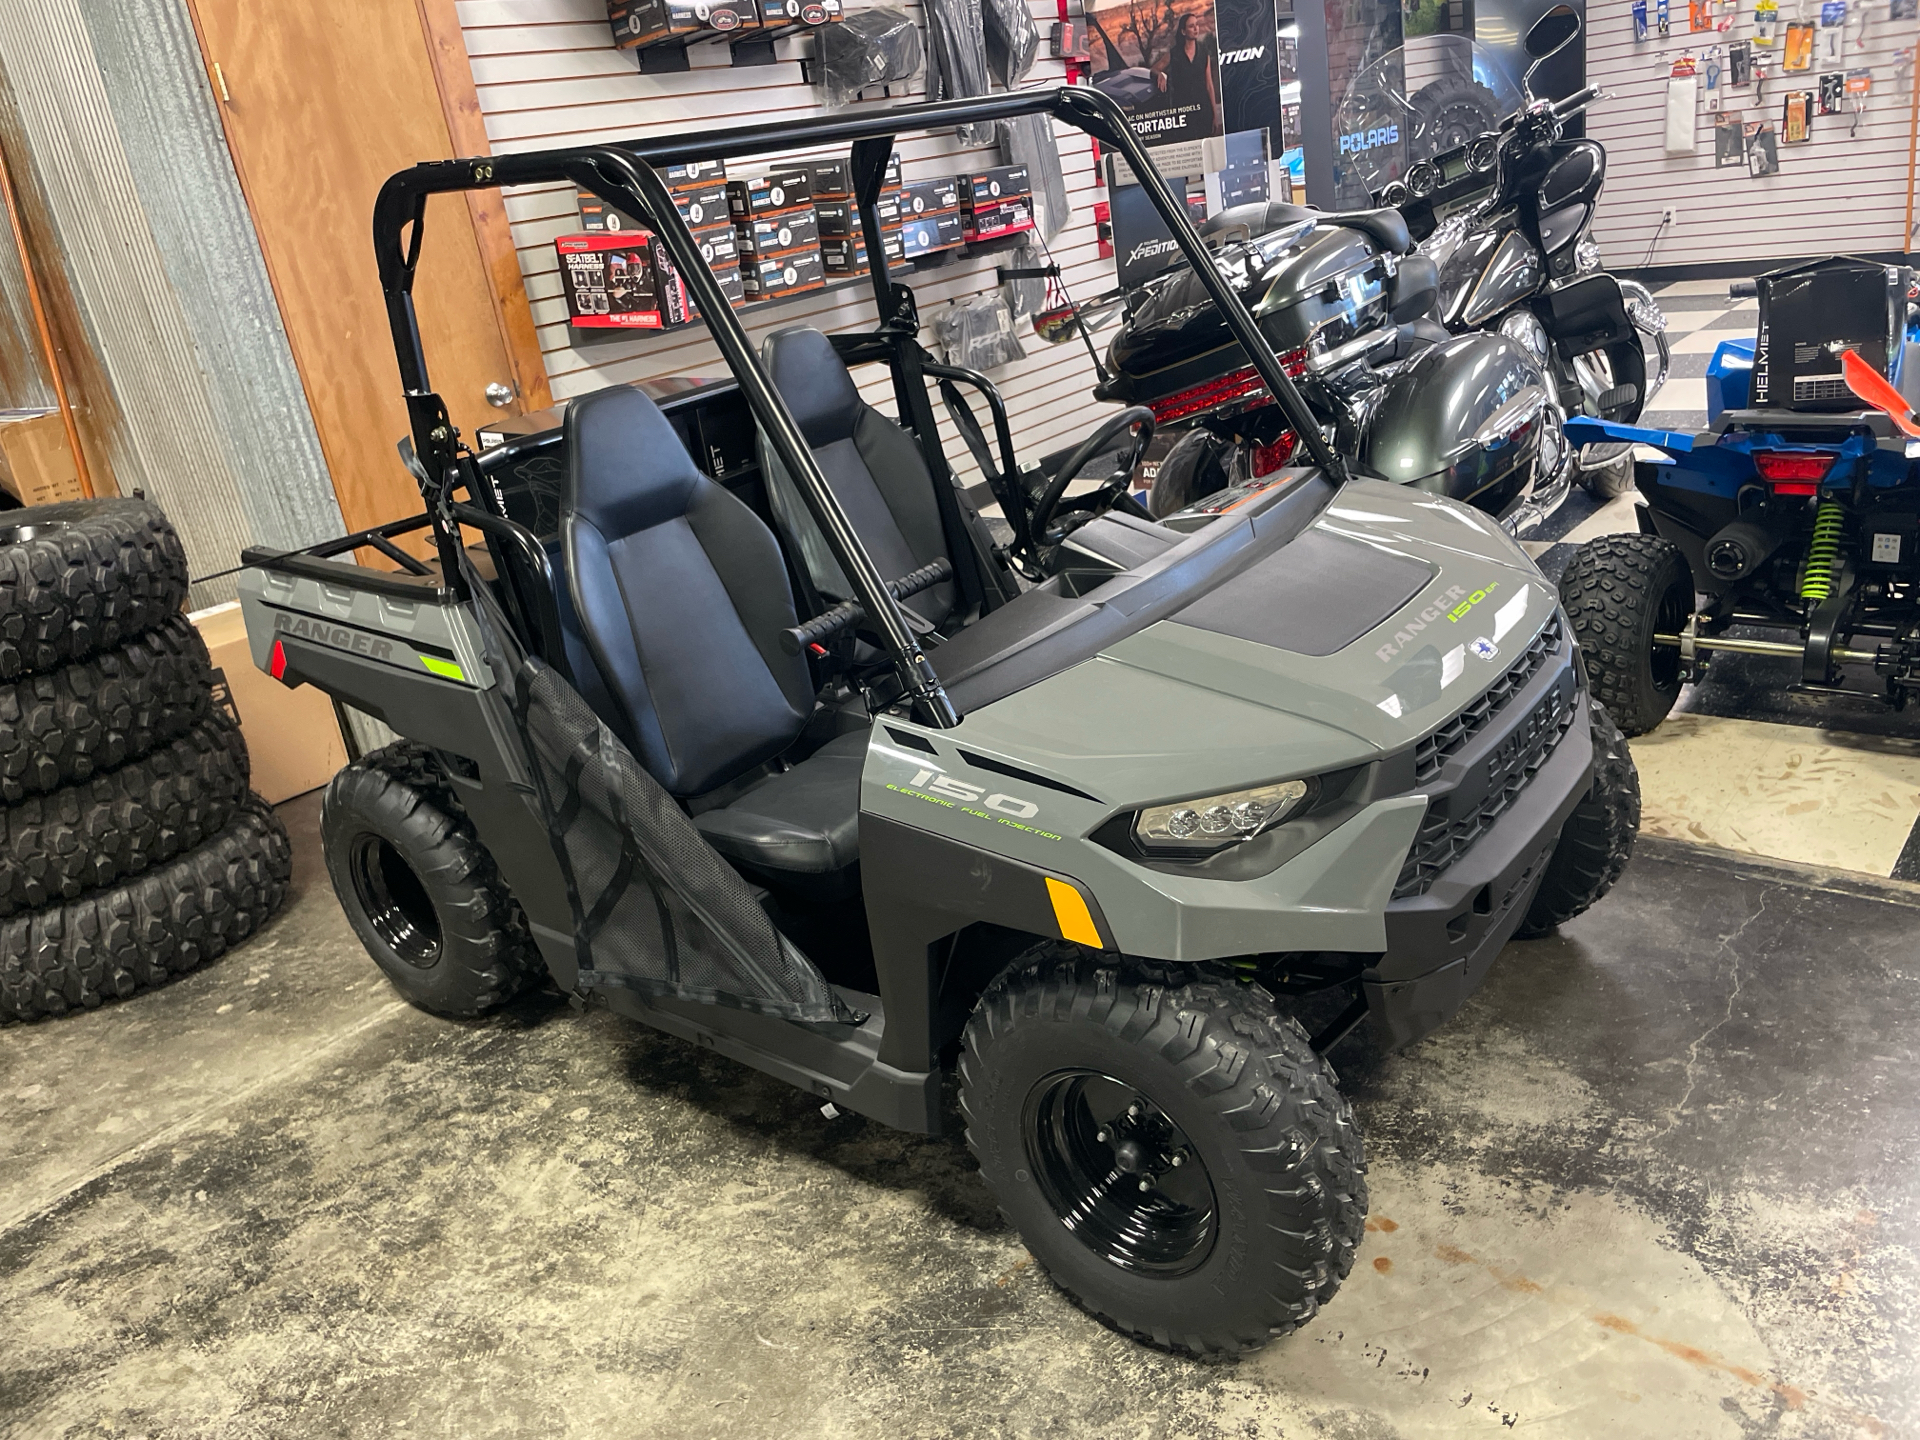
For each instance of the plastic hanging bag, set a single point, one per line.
(958, 60)
(1026, 296)
(1012, 40)
(978, 333)
(870, 47)
(1028, 140)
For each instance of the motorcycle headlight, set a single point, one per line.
(1525, 327)
(1213, 822)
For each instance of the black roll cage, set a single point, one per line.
(623, 174)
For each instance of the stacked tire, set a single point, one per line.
(131, 848)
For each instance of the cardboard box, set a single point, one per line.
(771, 276)
(929, 197)
(829, 179)
(36, 463)
(842, 217)
(701, 202)
(292, 735)
(718, 245)
(785, 17)
(763, 194)
(926, 234)
(621, 281)
(771, 234)
(990, 187)
(732, 283)
(992, 222)
(695, 174)
(704, 204)
(639, 23)
(1809, 315)
(844, 255)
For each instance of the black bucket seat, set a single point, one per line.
(874, 468)
(681, 595)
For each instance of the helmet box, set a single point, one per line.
(1809, 315)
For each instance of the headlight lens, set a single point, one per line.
(1214, 822)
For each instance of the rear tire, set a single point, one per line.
(82, 576)
(1610, 482)
(1619, 592)
(419, 888)
(1597, 840)
(1193, 469)
(1243, 1241)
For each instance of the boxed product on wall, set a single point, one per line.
(782, 230)
(844, 255)
(762, 194)
(36, 463)
(786, 17)
(842, 217)
(990, 187)
(939, 196)
(1000, 219)
(639, 23)
(621, 281)
(929, 234)
(702, 204)
(770, 277)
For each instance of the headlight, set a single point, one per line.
(1213, 822)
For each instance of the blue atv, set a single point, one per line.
(1790, 526)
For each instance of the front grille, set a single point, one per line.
(1452, 825)
(1432, 753)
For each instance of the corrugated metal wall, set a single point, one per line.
(548, 74)
(1840, 191)
(162, 260)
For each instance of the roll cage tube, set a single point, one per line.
(624, 174)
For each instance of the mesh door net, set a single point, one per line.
(655, 908)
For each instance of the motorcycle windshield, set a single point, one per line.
(1428, 96)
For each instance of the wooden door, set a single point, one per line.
(322, 102)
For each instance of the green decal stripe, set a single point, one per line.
(445, 669)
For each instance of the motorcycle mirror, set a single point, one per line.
(1552, 32)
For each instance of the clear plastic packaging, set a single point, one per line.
(1027, 295)
(1028, 140)
(880, 46)
(978, 333)
(1012, 41)
(958, 62)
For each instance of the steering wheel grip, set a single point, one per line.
(1093, 445)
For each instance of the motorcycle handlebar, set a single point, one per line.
(1579, 100)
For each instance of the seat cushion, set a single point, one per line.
(804, 821)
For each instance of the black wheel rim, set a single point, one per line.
(21, 534)
(395, 902)
(1676, 607)
(1121, 1177)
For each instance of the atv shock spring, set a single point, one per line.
(1816, 580)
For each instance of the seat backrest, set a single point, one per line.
(873, 467)
(681, 593)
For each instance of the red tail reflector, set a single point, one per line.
(1793, 472)
(1269, 458)
(277, 662)
(1223, 389)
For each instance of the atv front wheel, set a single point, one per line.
(1619, 592)
(1597, 840)
(1168, 1145)
(418, 887)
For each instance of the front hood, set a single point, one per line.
(1386, 617)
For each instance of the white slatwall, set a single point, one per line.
(548, 75)
(1839, 192)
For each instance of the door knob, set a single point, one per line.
(499, 396)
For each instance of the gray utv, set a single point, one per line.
(735, 718)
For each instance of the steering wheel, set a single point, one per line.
(1039, 524)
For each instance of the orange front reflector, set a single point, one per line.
(1070, 913)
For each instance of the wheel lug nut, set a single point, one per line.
(1103, 1134)
(1146, 1184)
(1179, 1160)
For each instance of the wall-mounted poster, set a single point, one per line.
(1729, 141)
(1796, 125)
(1159, 59)
(1763, 151)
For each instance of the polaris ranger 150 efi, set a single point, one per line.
(802, 770)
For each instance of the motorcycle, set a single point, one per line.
(1507, 217)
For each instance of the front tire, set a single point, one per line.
(1084, 1076)
(1619, 592)
(1597, 840)
(419, 888)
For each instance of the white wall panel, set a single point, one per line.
(1841, 191)
(548, 74)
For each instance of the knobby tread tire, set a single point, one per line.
(402, 793)
(122, 822)
(103, 711)
(1273, 1111)
(1597, 840)
(99, 573)
(148, 930)
(1612, 590)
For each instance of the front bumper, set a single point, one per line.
(1442, 940)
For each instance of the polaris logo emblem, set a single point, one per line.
(1485, 648)
(1236, 57)
(1361, 141)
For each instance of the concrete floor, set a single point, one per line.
(1658, 1179)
